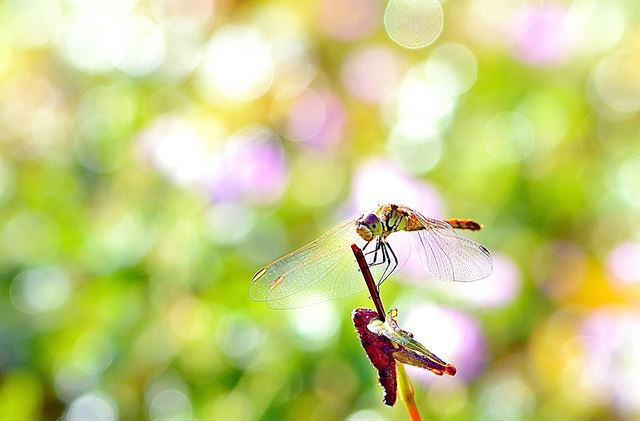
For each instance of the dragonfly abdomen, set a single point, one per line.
(464, 224)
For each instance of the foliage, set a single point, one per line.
(156, 154)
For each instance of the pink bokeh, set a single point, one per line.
(378, 181)
(541, 36)
(452, 335)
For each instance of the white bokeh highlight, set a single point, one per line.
(452, 68)
(314, 326)
(413, 23)
(237, 65)
(40, 290)
(623, 263)
(92, 406)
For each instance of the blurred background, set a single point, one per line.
(156, 154)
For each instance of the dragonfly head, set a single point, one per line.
(369, 226)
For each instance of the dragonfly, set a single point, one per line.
(325, 269)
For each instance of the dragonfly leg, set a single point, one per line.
(374, 250)
(385, 255)
(388, 250)
(375, 253)
(385, 258)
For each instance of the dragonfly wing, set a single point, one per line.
(341, 280)
(449, 256)
(321, 270)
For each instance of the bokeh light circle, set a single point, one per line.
(623, 263)
(170, 404)
(371, 74)
(294, 63)
(506, 396)
(615, 357)
(237, 64)
(181, 56)
(452, 68)
(145, 46)
(617, 81)
(70, 381)
(217, 222)
(234, 405)
(625, 182)
(167, 397)
(51, 135)
(28, 23)
(240, 340)
(316, 325)
(422, 109)
(509, 137)
(40, 290)
(540, 35)
(92, 406)
(416, 155)
(261, 179)
(413, 23)
(183, 16)
(175, 148)
(29, 237)
(452, 335)
(349, 20)
(378, 181)
(582, 377)
(595, 26)
(298, 114)
(98, 147)
(82, 45)
(93, 352)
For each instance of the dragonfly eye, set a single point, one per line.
(371, 220)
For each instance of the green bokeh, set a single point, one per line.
(124, 286)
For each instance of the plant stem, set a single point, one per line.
(368, 279)
(405, 389)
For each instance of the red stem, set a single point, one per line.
(368, 279)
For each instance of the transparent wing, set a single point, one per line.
(322, 270)
(449, 256)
